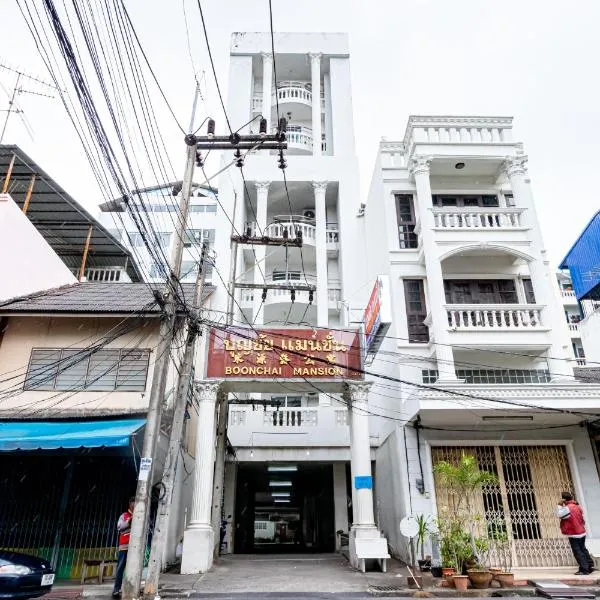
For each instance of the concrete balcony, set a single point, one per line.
(479, 219)
(497, 325)
(290, 229)
(458, 136)
(316, 426)
(295, 95)
(484, 317)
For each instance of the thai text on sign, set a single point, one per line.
(284, 353)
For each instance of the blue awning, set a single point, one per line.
(51, 435)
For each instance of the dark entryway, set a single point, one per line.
(284, 508)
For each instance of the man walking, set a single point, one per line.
(572, 525)
(124, 529)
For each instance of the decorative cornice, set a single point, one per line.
(533, 391)
(515, 165)
(266, 56)
(315, 56)
(208, 390)
(319, 186)
(358, 391)
(420, 164)
(262, 186)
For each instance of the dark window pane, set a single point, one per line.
(416, 311)
(405, 215)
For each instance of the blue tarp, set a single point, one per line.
(51, 435)
(583, 261)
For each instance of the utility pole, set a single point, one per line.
(139, 521)
(155, 565)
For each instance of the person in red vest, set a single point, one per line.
(572, 524)
(124, 529)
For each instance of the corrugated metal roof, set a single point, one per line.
(62, 221)
(96, 297)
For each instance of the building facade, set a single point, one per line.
(289, 486)
(479, 335)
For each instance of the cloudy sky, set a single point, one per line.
(535, 60)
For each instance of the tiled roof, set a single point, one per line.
(95, 297)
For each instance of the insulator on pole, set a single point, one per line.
(293, 296)
(210, 128)
(263, 127)
(311, 296)
(264, 295)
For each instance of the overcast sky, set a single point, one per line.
(534, 60)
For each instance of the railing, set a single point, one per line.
(574, 326)
(299, 136)
(113, 274)
(332, 236)
(291, 417)
(494, 316)
(334, 294)
(294, 91)
(581, 361)
(477, 218)
(290, 229)
(567, 293)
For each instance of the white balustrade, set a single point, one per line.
(567, 293)
(581, 362)
(108, 274)
(247, 296)
(334, 294)
(293, 91)
(484, 317)
(299, 136)
(290, 229)
(574, 326)
(291, 417)
(332, 236)
(462, 134)
(477, 218)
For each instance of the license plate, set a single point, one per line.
(48, 579)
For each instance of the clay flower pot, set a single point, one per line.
(448, 571)
(505, 579)
(461, 582)
(480, 578)
(495, 570)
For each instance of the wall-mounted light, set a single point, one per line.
(459, 165)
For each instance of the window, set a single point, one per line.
(461, 201)
(405, 214)
(510, 200)
(122, 369)
(189, 270)
(287, 401)
(493, 376)
(529, 295)
(289, 276)
(203, 208)
(137, 241)
(483, 291)
(195, 237)
(416, 311)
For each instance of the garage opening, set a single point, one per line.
(284, 508)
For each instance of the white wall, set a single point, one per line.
(27, 264)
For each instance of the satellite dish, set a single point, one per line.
(409, 527)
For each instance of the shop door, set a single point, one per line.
(522, 503)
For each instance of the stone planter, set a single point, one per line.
(461, 582)
(480, 579)
(505, 579)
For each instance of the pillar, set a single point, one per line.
(543, 279)
(315, 77)
(340, 500)
(320, 188)
(262, 192)
(198, 539)
(365, 540)
(436, 295)
(267, 93)
(328, 115)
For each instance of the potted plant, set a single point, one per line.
(422, 533)
(502, 548)
(480, 576)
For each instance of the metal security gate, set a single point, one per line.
(64, 507)
(530, 481)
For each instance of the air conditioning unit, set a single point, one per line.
(308, 213)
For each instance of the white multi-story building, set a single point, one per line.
(479, 337)
(162, 203)
(293, 455)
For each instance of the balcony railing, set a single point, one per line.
(504, 317)
(290, 229)
(291, 417)
(332, 236)
(581, 361)
(567, 294)
(477, 218)
(289, 91)
(111, 274)
(574, 327)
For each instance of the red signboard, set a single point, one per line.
(284, 354)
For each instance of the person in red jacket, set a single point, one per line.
(572, 524)
(124, 529)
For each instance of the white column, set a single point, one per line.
(328, 115)
(315, 76)
(365, 540)
(436, 297)
(320, 187)
(542, 276)
(340, 500)
(360, 453)
(198, 539)
(267, 92)
(262, 193)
